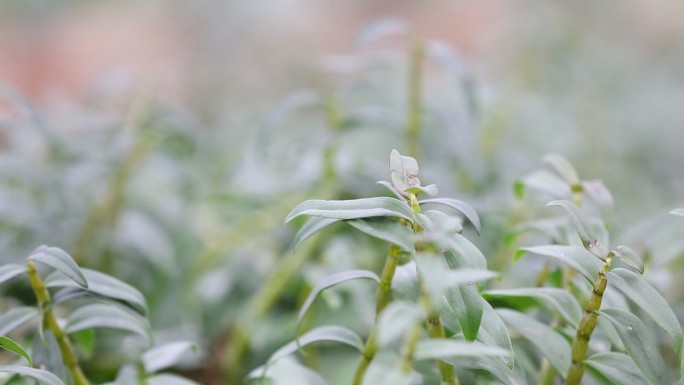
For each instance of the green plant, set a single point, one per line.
(66, 320)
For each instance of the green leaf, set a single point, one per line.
(320, 334)
(639, 346)
(311, 227)
(463, 253)
(165, 356)
(397, 317)
(584, 227)
(392, 232)
(493, 367)
(441, 348)
(461, 206)
(630, 257)
(42, 376)
(8, 344)
(16, 317)
(438, 278)
(85, 339)
(543, 181)
(553, 299)
(168, 379)
(679, 212)
(10, 271)
(465, 303)
(574, 256)
(430, 190)
(59, 260)
(563, 168)
(107, 316)
(493, 332)
(442, 222)
(331, 281)
(550, 343)
(353, 209)
(104, 285)
(618, 368)
(647, 298)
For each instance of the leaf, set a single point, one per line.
(679, 212)
(470, 255)
(165, 356)
(16, 317)
(493, 367)
(493, 332)
(320, 334)
(545, 182)
(442, 222)
(554, 299)
(10, 271)
(391, 188)
(331, 281)
(461, 206)
(630, 257)
(550, 343)
(353, 209)
(639, 346)
(618, 368)
(465, 303)
(311, 227)
(396, 318)
(379, 29)
(563, 168)
(42, 376)
(430, 190)
(59, 260)
(438, 278)
(599, 193)
(104, 285)
(107, 316)
(573, 256)
(649, 299)
(85, 339)
(584, 228)
(168, 379)
(8, 344)
(441, 348)
(392, 232)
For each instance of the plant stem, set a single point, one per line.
(50, 321)
(382, 299)
(333, 123)
(586, 327)
(409, 349)
(415, 113)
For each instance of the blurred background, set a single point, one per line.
(165, 141)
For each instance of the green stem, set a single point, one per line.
(408, 350)
(415, 113)
(580, 345)
(382, 299)
(436, 330)
(50, 321)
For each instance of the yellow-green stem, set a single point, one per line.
(580, 344)
(408, 350)
(383, 297)
(50, 321)
(415, 113)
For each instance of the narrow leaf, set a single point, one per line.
(491, 366)
(10, 271)
(679, 212)
(461, 206)
(330, 281)
(550, 343)
(392, 232)
(493, 332)
(466, 252)
(465, 302)
(107, 316)
(639, 346)
(618, 368)
(167, 355)
(553, 299)
(104, 285)
(630, 257)
(563, 168)
(584, 228)
(649, 299)
(9, 344)
(353, 209)
(320, 334)
(311, 227)
(16, 317)
(543, 181)
(574, 256)
(429, 349)
(42, 376)
(397, 317)
(59, 260)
